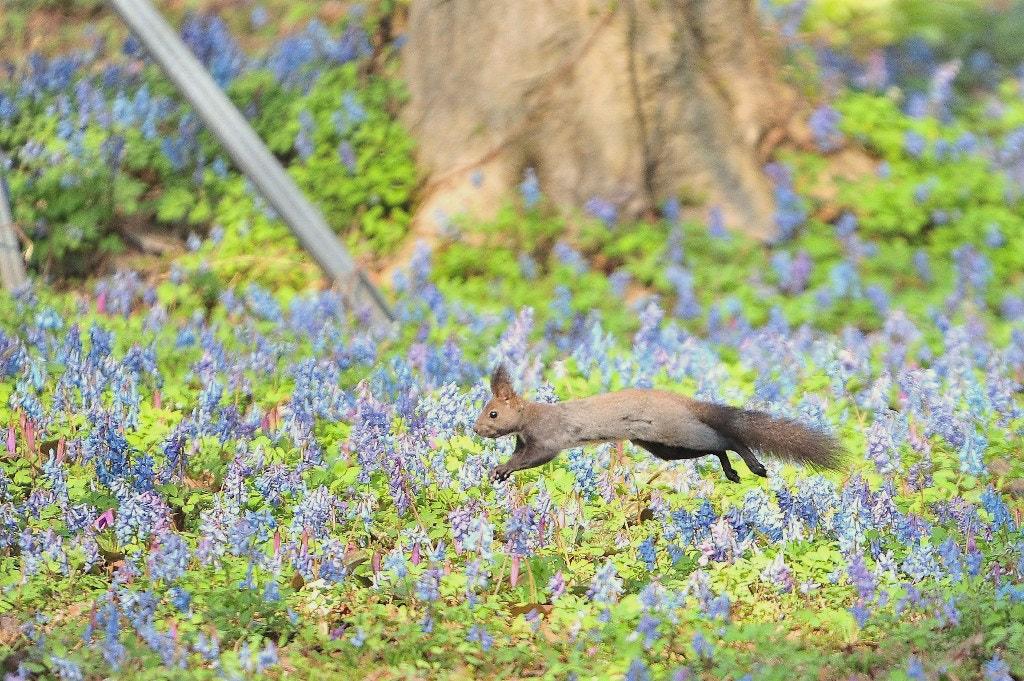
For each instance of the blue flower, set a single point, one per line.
(637, 671)
(860, 613)
(169, 559)
(478, 632)
(648, 553)
(702, 646)
(914, 144)
(602, 209)
(529, 188)
(606, 585)
(258, 17)
(824, 123)
(997, 669)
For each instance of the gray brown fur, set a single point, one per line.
(669, 425)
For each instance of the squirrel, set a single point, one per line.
(668, 425)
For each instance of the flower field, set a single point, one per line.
(212, 468)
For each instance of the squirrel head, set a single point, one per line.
(504, 412)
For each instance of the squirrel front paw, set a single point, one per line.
(501, 473)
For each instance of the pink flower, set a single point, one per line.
(104, 520)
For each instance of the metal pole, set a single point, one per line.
(12, 268)
(249, 153)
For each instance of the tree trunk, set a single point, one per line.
(632, 102)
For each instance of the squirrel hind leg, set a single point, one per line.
(670, 453)
(755, 466)
(730, 473)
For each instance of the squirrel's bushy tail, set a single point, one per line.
(781, 437)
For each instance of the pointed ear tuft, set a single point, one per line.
(501, 383)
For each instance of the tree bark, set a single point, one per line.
(633, 102)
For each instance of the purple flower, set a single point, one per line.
(637, 670)
(585, 475)
(994, 505)
(824, 122)
(347, 156)
(790, 209)
(670, 209)
(687, 306)
(556, 585)
(104, 520)
(1012, 307)
(648, 553)
(941, 92)
(358, 637)
(168, 560)
(114, 652)
(862, 578)
(180, 598)
(258, 17)
(921, 563)
(996, 669)
(702, 646)
(428, 585)
(915, 670)
(914, 144)
(66, 669)
(266, 658)
(648, 628)
(881, 449)
(619, 280)
(860, 612)
(529, 188)
(522, 532)
(478, 632)
(602, 209)
(972, 454)
(716, 223)
(567, 255)
(606, 585)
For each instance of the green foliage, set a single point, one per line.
(372, 199)
(72, 181)
(955, 27)
(65, 199)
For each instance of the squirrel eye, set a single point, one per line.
(493, 414)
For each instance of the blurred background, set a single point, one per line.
(782, 143)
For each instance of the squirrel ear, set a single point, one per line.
(501, 383)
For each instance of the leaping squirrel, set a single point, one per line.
(668, 425)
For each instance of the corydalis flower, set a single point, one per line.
(881, 449)
(606, 585)
(530, 189)
(778, 573)
(824, 122)
(169, 557)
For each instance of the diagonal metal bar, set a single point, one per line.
(249, 153)
(12, 268)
